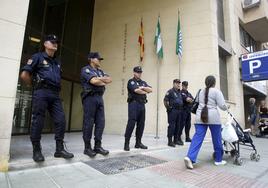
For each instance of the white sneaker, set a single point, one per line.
(220, 163)
(188, 163)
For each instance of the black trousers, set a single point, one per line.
(93, 107)
(43, 100)
(186, 124)
(136, 115)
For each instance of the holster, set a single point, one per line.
(129, 100)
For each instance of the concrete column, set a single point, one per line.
(235, 87)
(13, 15)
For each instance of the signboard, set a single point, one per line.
(260, 86)
(255, 66)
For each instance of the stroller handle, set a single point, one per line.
(229, 113)
(232, 116)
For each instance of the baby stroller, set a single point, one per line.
(244, 139)
(263, 125)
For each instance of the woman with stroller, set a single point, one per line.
(252, 115)
(207, 116)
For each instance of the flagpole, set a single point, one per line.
(157, 98)
(179, 59)
(157, 103)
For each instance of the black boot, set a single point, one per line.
(99, 149)
(88, 150)
(140, 145)
(170, 142)
(179, 142)
(61, 152)
(175, 140)
(126, 146)
(188, 139)
(37, 152)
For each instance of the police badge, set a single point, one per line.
(29, 62)
(45, 63)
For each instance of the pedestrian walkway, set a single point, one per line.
(160, 166)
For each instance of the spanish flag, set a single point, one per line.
(141, 42)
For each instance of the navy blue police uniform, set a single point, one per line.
(136, 109)
(186, 113)
(93, 105)
(46, 74)
(174, 112)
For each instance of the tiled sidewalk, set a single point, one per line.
(171, 173)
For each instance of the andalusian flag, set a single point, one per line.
(179, 40)
(141, 41)
(158, 40)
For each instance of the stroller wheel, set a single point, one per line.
(238, 161)
(253, 156)
(258, 157)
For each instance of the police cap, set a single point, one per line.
(176, 81)
(51, 38)
(185, 83)
(137, 69)
(93, 55)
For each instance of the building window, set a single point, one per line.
(247, 41)
(223, 76)
(220, 19)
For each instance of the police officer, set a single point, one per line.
(93, 81)
(187, 104)
(45, 70)
(174, 104)
(137, 90)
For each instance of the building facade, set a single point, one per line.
(215, 34)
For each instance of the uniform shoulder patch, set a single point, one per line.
(29, 62)
(132, 82)
(167, 93)
(87, 71)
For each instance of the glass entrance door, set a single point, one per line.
(71, 21)
(23, 109)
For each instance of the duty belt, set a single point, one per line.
(89, 92)
(47, 86)
(178, 107)
(143, 101)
